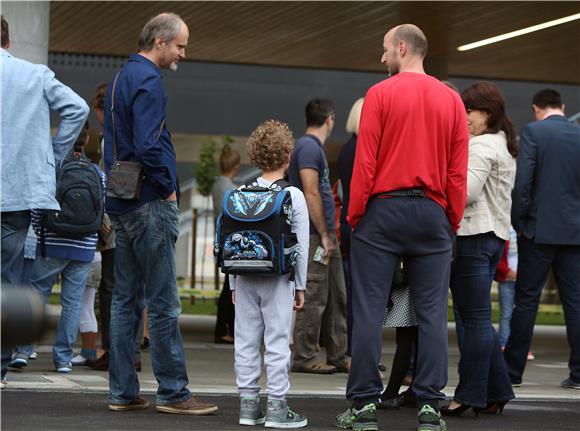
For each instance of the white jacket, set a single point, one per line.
(491, 172)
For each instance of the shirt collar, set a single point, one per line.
(143, 60)
(4, 52)
(315, 138)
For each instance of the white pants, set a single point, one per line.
(263, 310)
(88, 321)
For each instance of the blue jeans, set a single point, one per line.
(14, 229)
(74, 276)
(483, 376)
(145, 256)
(507, 293)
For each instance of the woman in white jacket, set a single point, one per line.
(484, 384)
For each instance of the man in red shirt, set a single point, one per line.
(408, 193)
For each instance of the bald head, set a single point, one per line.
(413, 36)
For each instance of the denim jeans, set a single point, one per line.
(483, 374)
(145, 256)
(507, 293)
(74, 276)
(14, 229)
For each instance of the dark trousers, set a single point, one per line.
(418, 230)
(534, 262)
(224, 324)
(406, 338)
(483, 375)
(106, 295)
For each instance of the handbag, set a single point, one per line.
(125, 177)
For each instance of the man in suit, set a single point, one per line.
(546, 216)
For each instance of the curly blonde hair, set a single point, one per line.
(270, 145)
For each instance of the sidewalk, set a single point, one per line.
(210, 367)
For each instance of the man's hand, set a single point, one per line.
(298, 300)
(172, 197)
(234, 297)
(329, 247)
(106, 228)
(511, 275)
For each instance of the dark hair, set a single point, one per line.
(82, 139)
(414, 37)
(485, 96)
(5, 34)
(547, 98)
(98, 100)
(317, 111)
(165, 26)
(229, 159)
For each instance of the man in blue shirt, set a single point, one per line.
(30, 156)
(325, 287)
(147, 227)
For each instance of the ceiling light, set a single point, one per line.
(519, 32)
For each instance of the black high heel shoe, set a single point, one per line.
(458, 411)
(494, 408)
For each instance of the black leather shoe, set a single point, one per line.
(101, 364)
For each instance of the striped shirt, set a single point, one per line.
(57, 246)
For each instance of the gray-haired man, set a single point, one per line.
(147, 227)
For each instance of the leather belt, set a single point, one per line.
(406, 193)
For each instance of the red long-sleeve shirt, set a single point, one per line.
(413, 133)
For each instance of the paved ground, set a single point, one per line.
(38, 398)
(23, 411)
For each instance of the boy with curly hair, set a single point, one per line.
(263, 305)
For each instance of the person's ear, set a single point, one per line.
(159, 43)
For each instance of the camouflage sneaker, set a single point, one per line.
(251, 412)
(430, 420)
(279, 415)
(364, 419)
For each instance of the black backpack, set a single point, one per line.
(254, 232)
(79, 192)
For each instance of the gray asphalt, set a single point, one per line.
(26, 410)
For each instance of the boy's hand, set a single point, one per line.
(234, 297)
(298, 300)
(511, 275)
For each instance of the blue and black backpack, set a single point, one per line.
(254, 232)
(79, 192)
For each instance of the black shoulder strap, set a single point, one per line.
(282, 183)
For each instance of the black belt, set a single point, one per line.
(407, 193)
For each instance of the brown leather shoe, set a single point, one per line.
(137, 404)
(192, 406)
(101, 364)
(314, 369)
(343, 367)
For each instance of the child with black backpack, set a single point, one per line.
(66, 245)
(267, 270)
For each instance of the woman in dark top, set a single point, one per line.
(345, 165)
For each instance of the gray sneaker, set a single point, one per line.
(279, 415)
(251, 412)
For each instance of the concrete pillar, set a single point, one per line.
(29, 23)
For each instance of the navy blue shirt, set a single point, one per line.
(308, 153)
(141, 132)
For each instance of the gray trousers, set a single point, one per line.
(263, 311)
(324, 308)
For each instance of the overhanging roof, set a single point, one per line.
(337, 35)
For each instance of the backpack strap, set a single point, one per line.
(282, 183)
